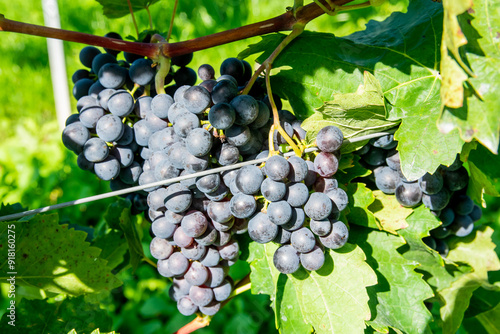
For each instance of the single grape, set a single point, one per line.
(95, 150)
(110, 128)
(297, 194)
(223, 291)
(87, 55)
(179, 288)
(163, 228)
(229, 251)
(124, 154)
(216, 277)
(121, 103)
(313, 260)
(263, 116)
(186, 306)
(199, 142)
(318, 207)
(161, 104)
(178, 198)
(441, 232)
(211, 309)
(178, 264)
(141, 72)
(286, 259)
(208, 183)
(185, 76)
(261, 229)
(238, 135)
(386, 142)
(209, 237)
(277, 168)
(107, 169)
(194, 252)
(219, 211)
(185, 123)
(462, 204)
(339, 198)
(194, 223)
(326, 164)
(476, 213)
(156, 199)
(329, 139)
(206, 72)
(181, 239)
(160, 248)
(387, 180)
(303, 240)
(408, 194)
(84, 163)
(279, 212)
(273, 191)
(375, 157)
(298, 169)
(296, 221)
(247, 109)
(112, 75)
(320, 227)
(456, 180)
(393, 160)
(437, 201)
(197, 274)
(81, 88)
(337, 238)
(131, 174)
(182, 60)
(462, 226)
(431, 183)
(224, 91)
(249, 179)
(89, 116)
(242, 205)
(211, 258)
(197, 99)
(227, 154)
(283, 236)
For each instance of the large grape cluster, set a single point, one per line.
(443, 192)
(127, 134)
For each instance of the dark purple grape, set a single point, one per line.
(462, 226)
(313, 260)
(286, 259)
(249, 179)
(194, 223)
(297, 194)
(261, 229)
(329, 139)
(296, 221)
(456, 180)
(462, 204)
(320, 227)
(375, 157)
(181, 239)
(431, 183)
(242, 205)
(437, 201)
(476, 213)
(160, 248)
(277, 168)
(387, 180)
(186, 306)
(326, 164)
(337, 238)
(197, 274)
(178, 264)
(408, 194)
(201, 296)
(279, 212)
(303, 240)
(318, 207)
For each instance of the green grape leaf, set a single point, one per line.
(355, 170)
(330, 299)
(114, 212)
(114, 9)
(334, 299)
(437, 273)
(128, 224)
(402, 53)
(490, 320)
(480, 184)
(389, 213)
(54, 258)
(360, 198)
(8, 209)
(474, 106)
(400, 292)
(483, 300)
(113, 246)
(39, 316)
(484, 174)
(453, 69)
(477, 249)
(356, 114)
(266, 279)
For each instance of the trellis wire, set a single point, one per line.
(172, 180)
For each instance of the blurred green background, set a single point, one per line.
(36, 170)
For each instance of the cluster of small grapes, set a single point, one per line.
(302, 223)
(443, 192)
(126, 133)
(102, 133)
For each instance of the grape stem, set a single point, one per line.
(282, 22)
(133, 17)
(163, 64)
(172, 20)
(147, 260)
(196, 323)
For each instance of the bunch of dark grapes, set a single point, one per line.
(127, 134)
(443, 192)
